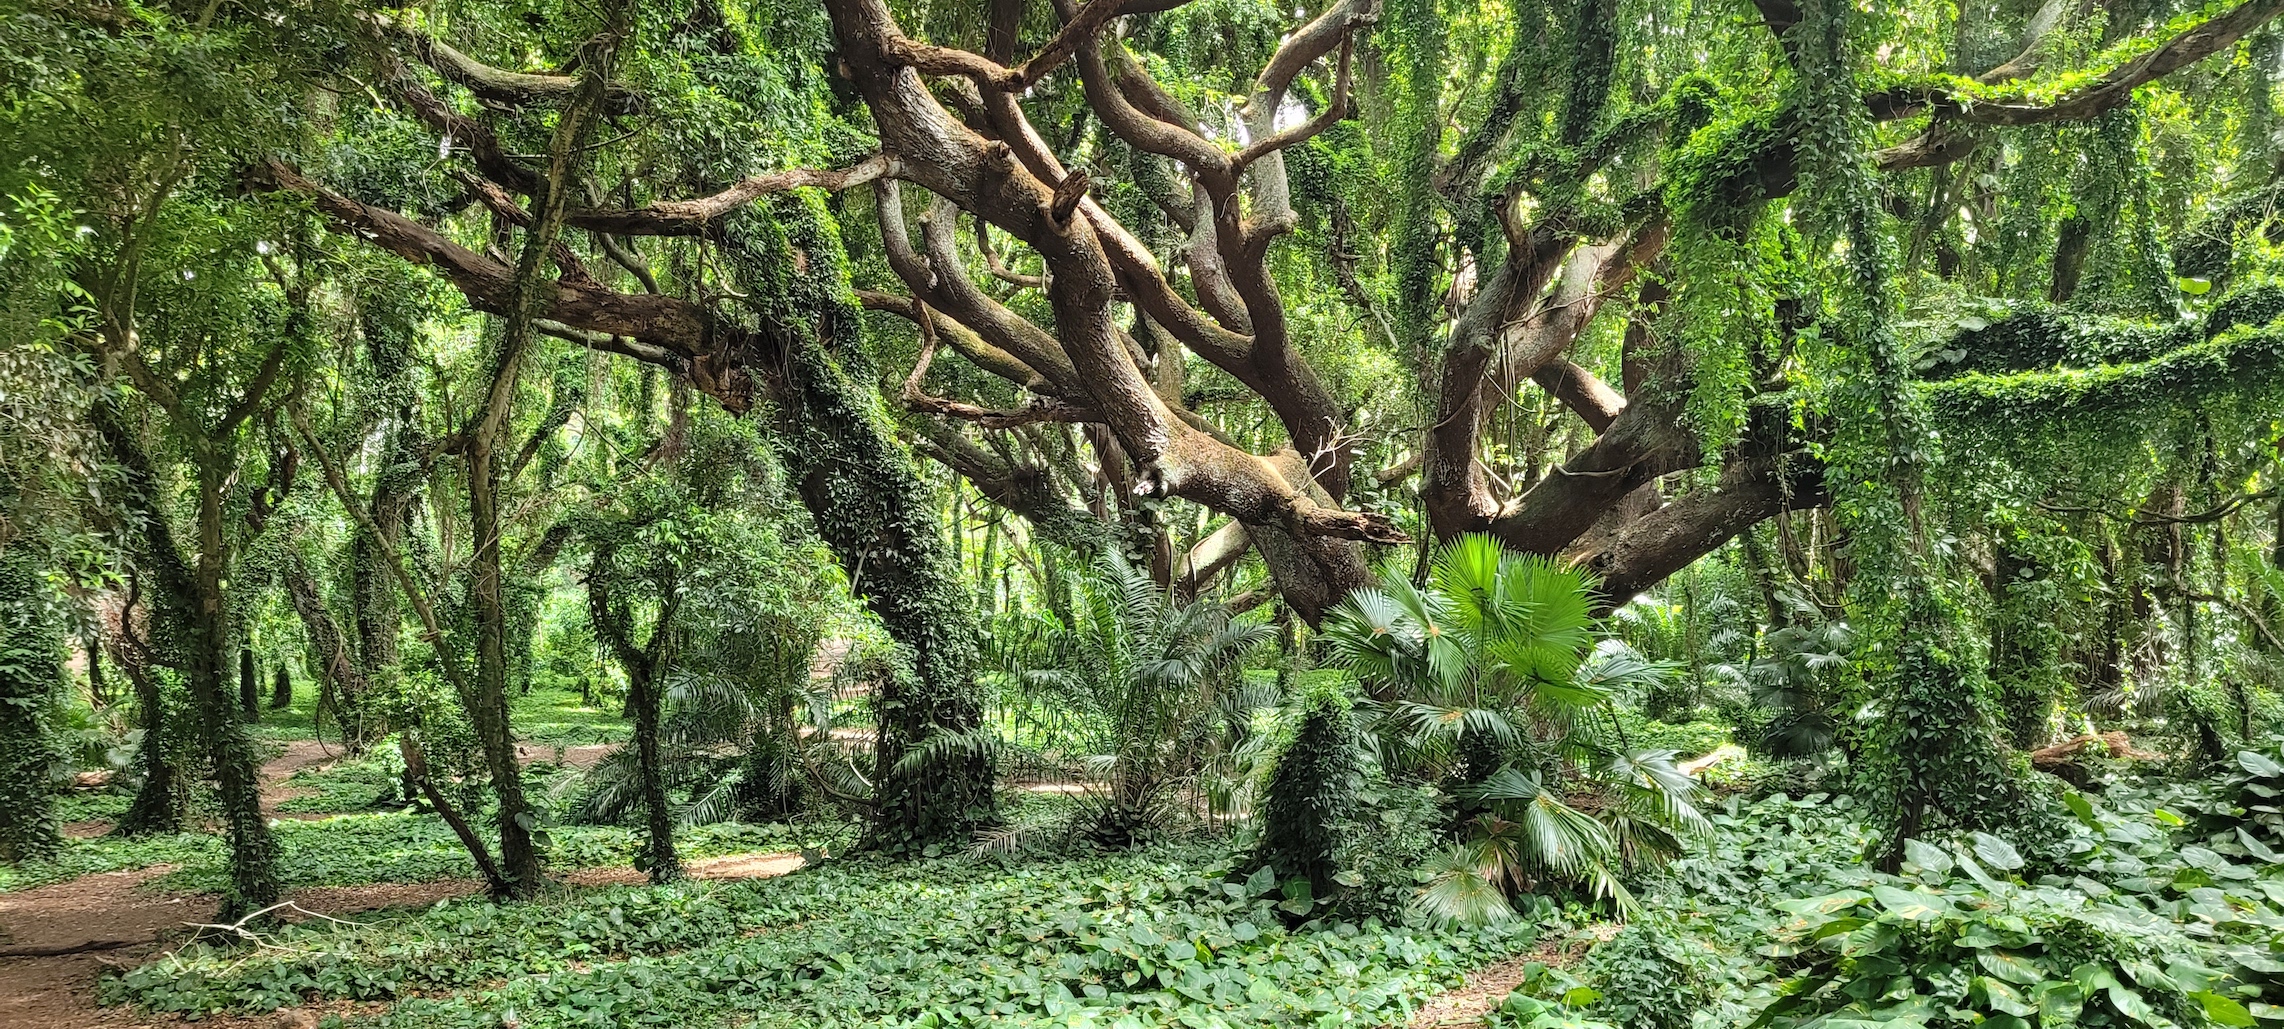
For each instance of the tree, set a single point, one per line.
(31, 685)
(1608, 282)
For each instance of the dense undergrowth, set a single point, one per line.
(1159, 936)
(2154, 911)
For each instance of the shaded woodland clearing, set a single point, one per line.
(1171, 512)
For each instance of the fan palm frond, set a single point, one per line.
(1562, 839)
(1459, 891)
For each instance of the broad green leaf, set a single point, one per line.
(2000, 995)
(1927, 856)
(2010, 966)
(1996, 852)
(2059, 1002)
(1908, 904)
(2222, 1009)
(2254, 847)
(1870, 939)
(2131, 1005)
(1824, 905)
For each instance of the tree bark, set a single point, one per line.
(249, 684)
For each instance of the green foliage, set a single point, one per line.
(31, 688)
(1961, 941)
(1311, 792)
(870, 506)
(1159, 679)
(1486, 676)
(1158, 938)
(1931, 753)
(1796, 681)
(2256, 786)
(1548, 998)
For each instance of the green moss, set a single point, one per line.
(2239, 363)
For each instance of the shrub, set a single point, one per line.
(1312, 792)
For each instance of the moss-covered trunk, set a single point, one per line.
(643, 688)
(872, 509)
(229, 747)
(31, 680)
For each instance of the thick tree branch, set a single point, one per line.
(916, 398)
(2111, 90)
(1307, 130)
(674, 325)
(700, 216)
(496, 86)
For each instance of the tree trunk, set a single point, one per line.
(281, 688)
(98, 685)
(330, 655)
(29, 692)
(645, 666)
(249, 684)
(519, 858)
(870, 506)
(658, 848)
(155, 810)
(253, 851)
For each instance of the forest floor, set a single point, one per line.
(57, 940)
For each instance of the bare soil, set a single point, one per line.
(1471, 1004)
(116, 920)
(585, 755)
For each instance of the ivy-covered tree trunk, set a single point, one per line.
(337, 670)
(31, 681)
(155, 809)
(645, 665)
(871, 508)
(659, 859)
(249, 684)
(869, 505)
(488, 704)
(281, 687)
(158, 806)
(1934, 759)
(1312, 790)
(229, 747)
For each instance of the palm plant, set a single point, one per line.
(1490, 675)
(1151, 677)
(1795, 682)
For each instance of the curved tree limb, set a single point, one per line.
(701, 216)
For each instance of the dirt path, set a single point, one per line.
(1470, 1004)
(299, 756)
(585, 755)
(116, 923)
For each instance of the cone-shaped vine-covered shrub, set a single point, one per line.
(1312, 791)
